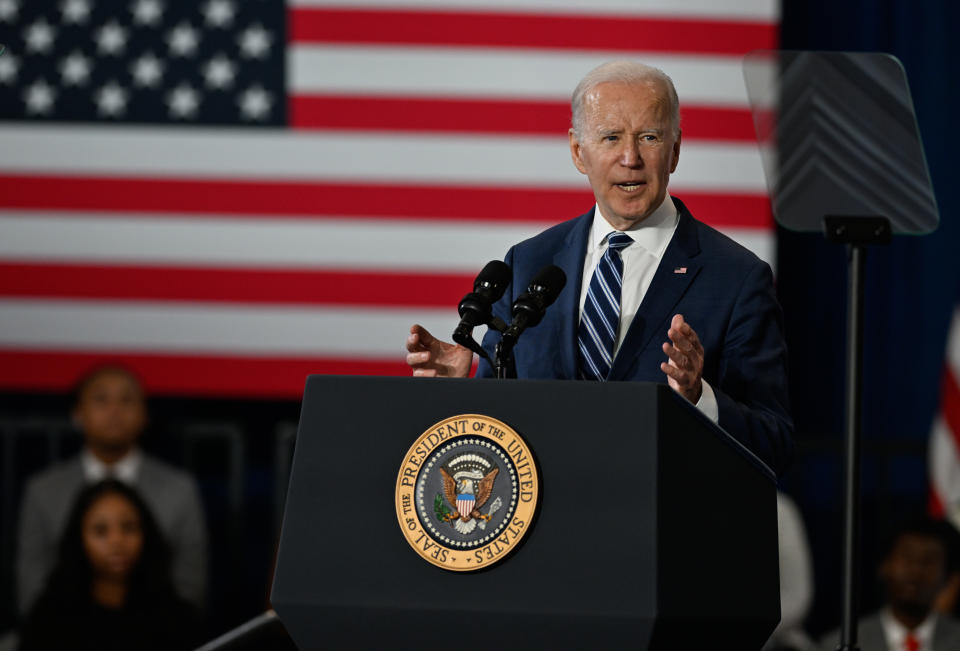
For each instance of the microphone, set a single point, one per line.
(529, 308)
(476, 308)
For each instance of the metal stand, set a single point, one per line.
(503, 364)
(242, 634)
(856, 233)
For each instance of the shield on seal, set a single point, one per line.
(465, 504)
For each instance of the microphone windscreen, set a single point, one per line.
(547, 283)
(493, 280)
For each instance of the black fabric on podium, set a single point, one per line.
(655, 529)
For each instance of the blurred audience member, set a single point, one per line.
(111, 587)
(912, 573)
(110, 411)
(796, 580)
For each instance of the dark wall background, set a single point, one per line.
(912, 286)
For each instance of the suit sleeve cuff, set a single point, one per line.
(708, 402)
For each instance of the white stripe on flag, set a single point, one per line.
(177, 327)
(495, 73)
(258, 242)
(759, 10)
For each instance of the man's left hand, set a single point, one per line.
(684, 369)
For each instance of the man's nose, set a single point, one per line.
(630, 154)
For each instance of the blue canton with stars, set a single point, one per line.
(212, 62)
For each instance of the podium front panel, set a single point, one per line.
(585, 571)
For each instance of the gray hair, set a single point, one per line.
(629, 72)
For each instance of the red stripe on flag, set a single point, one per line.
(950, 404)
(486, 116)
(319, 200)
(328, 287)
(730, 211)
(266, 377)
(529, 30)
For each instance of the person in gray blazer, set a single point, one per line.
(110, 412)
(912, 573)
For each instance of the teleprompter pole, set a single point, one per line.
(856, 255)
(856, 233)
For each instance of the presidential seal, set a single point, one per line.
(467, 492)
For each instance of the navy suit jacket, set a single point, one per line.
(725, 294)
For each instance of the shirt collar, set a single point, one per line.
(653, 233)
(127, 469)
(896, 632)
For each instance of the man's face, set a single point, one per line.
(914, 572)
(628, 149)
(111, 412)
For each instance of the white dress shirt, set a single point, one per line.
(896, 633)
(640, 261)
(127, 469)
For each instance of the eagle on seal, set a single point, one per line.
(467, 493)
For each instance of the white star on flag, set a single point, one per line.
(255, 41)
(39, 97)
(255, 103)
(75, 11)
(8, 69)
(75, 69)
(147, 12)
(219, 72)
(218, 13)
(183, 40)
(183, 101)
(147, 70)
(8, 10)
(39, 36)
(111, 38)
(111, 100)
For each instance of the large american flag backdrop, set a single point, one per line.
(228, 196)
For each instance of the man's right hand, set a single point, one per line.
(430, 357)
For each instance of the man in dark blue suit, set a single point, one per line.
(712, 298)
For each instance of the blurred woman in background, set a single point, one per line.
(111, 588)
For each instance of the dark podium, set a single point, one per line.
(655, 529)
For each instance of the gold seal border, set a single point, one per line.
(452, 558)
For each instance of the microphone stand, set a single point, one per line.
(502, 362)
(504, 366)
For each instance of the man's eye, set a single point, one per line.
(610, 138)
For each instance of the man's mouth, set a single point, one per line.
(631, 187)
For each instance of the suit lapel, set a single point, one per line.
(570, 258)
(666, 289)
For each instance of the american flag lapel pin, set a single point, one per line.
(679, 270)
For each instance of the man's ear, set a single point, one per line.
(575, 152)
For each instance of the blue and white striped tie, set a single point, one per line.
(601, 311)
